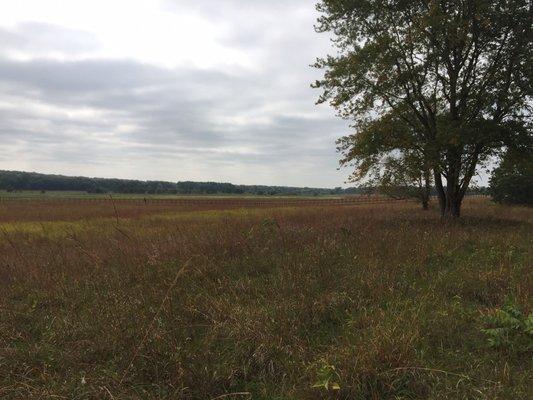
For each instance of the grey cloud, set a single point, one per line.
(257, 125)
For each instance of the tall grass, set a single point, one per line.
(382, 300)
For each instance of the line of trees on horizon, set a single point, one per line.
(12, 181)
(20, 181)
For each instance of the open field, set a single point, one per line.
(68, 208)
(51, 194)
(225, 302)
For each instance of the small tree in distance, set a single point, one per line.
(456, 73)
(388, 158)
(405, 177)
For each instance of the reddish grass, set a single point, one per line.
(71, 209)
(269, 298)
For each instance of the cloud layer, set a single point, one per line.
(229, 102)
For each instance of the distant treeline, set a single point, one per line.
(16, 180)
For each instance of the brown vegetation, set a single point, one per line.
(271, 303)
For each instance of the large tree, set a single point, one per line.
(457, 73)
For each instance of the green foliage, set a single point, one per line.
(406, 176)
(327, 377)
(16, 180)
(509, 328)
(512, 181)
(448, 80)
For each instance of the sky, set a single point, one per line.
(172, 90)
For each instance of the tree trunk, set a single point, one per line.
(440, 191)
(452, 208)
(427, 189)
(450, 197)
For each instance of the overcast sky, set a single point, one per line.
(166, 89)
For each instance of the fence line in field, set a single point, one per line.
(243, 202)
(206, 201)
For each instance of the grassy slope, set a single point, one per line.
(268, 302)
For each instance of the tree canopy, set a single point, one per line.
(512, 181)
(17, 180)
(447, 80)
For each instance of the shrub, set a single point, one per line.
(509, 328)
(512, 181)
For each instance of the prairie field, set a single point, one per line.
(366, 301)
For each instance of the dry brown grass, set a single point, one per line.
(18, 209)
(73, 210)
(268, 302)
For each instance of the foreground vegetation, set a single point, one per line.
(355, 302)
